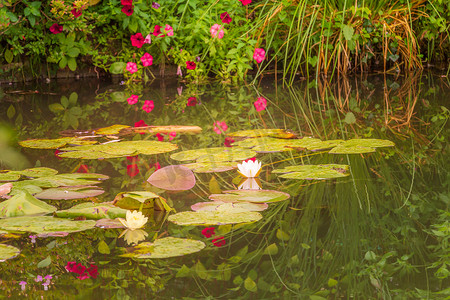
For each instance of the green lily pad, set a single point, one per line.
(114, 129)
(8, 252)
(212, 167)
(233, 207)
(278, 133)
(269, 144)
(254, 196)
(53, 143)
(93, 211)
(44, 224)
(214, 155)
(118, 149)
(133, 200)
(70, 192)
(214, 217)
(9, 176)
(70, 179)
(24, 204)
(38, 172)
(173, 178)
(358, 146)
(311, 172)
(166, 247)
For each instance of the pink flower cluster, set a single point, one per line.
(220, 127)
(218, 241)
(170, 136)
(168, 31)
(216, 31)
(82, 271)
(260, 104)
(128, 7)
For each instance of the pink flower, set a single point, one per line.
(219, 241)
(220, 127)
(140, 123)
(133, 99)
(190, 65)
(128, 10)
(157, 31)
(225, 17)
(137, 40)
(259, 55)
(93, 271)
(83, 169)
(147, 60)
(228, 141)
(260, 104)
(208, 232)
(245, 2)
(148, 106)
(133, 159)
(192, 101)
(131, 67)
(79, 269)
(216, 31)
(156, 5)
(132, 170)
(70, 267)
(83, 276)
(56, 154)
(169, 30)
(157, 166)
(76, 12)
(148, 39)
(160, 137)
(172, 135)
(55, 28)
(126, 2)
(253, 159)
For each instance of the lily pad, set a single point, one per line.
(38, 172)
(212, 167)
(311, 172)
(254, 196)
(214, 155)
(133, 200)
(111, 130)
(278, 133)
(54, 143)
(233, 207)
(358, 146)
(214, 217)
(174, 178)
(8, 252)
(94, 211)
(24, 204)
(166, 247)
(44, 224)
(118, 149)
(72, 192)
(9, 176)
(70, 179)
(269, 144)
(109, 223)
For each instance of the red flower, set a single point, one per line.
(250, 159)
(132, 170)
(157, 166)
(128, 10)
(79, 269)
(55, 28)
(208, 232)
(190, 65)
(148, 106)
(83, 276)
(126, 2)
(228, 141)
(225, 17)
(260, 104)
(160, 137)
(219, 241)
(93, 271)
(133, 159)
(157, 31)
(140, 123)
(245, 2)
(83, 169)
(56, 153)
(137, 40)
(76, 12)
(70, 267)
(192, 101)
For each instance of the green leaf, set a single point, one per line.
(350, 118)
(73, 52)
(250, 285)
(314, 172)
(184, 271)
(72, 63)
(166, 247)
(254, 196)
(73, 98)
(56, 107)
(44, 224)
(63, 62)
(45, 262)
(348, 32)
(23, 203)
(8, 252)
(332, 282)
(11, 112)
(103, 248)
(8, 56)
(94, 211)
(272, 249)
(206, 218)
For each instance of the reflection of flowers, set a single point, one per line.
(82, 271)
(133, 236)
(148, 106)
(250, 184)
(260, 104)
(220, 127)
(134, 220)
(132, 170)
(250, 168)
(219, 241)
(208, 232)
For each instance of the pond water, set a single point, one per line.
(379, 233)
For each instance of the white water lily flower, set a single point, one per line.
(250, 168)
(134, 220)
(250, 184)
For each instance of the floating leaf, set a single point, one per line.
(53, 143)
(38, 172)
(93, 211)
(166, 247)
(311, 172)
(44, 224)
(357, 146)
(268, 144)
(174, 178)
(214, 218)
(118, 149)
(278, 133)
(109, 223)
(229, 206)
(133, 200)
(9, 176)
(205, 167)
(214, 155)
(254, 196)
(8, 252)
(72, 192)
(111, 130)
(24, 204)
